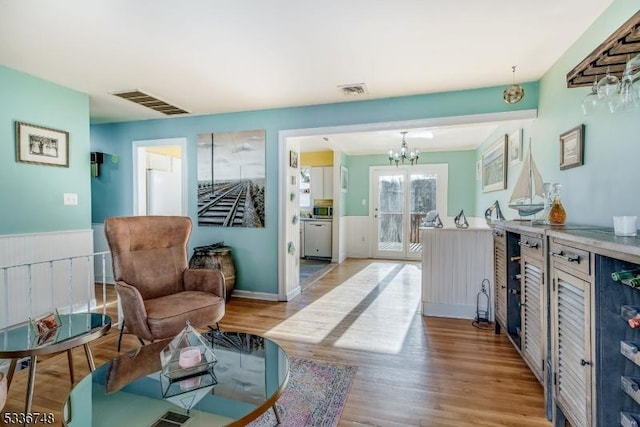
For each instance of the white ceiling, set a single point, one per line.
(213, 56)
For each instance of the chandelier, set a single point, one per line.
(515, 92)
(404, 153)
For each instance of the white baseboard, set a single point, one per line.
(264, 296)
(456, 311)
(294, 293)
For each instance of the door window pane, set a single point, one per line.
(423, 200)
(391, 212)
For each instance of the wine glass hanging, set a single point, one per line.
(613, 93)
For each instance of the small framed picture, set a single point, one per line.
(42, 146)
(293, 159)
(494, 166)
(344, 178)
(572, 148)
(515, 147)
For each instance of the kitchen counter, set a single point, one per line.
(317, 219)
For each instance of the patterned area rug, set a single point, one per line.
(315, 395)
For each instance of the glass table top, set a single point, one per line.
(21, 340)
(249, 375)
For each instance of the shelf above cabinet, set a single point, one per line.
(614, 52)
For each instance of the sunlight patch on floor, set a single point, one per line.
(383, 326)
(321, 317)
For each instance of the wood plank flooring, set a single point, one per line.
(412, 370)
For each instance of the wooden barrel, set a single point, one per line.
(216, 258)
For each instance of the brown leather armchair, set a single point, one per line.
(157, 290)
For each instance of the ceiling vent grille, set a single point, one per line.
(149, 101)
(353, 90)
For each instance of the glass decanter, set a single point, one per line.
(557, 214)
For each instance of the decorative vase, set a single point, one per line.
(557, 214)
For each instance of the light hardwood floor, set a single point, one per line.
(412, 370)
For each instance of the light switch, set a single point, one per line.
(71, 198)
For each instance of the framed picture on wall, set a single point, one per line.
(494, 166)
(41, 145)
(572, 148)
(344, 178)
(515, 147)
(293, 159)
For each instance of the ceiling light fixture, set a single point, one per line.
(404, 153)
(515, 92)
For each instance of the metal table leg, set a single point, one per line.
(87, 352)
(12, 369)
(70, 360)
(30, 384)
(275, 411)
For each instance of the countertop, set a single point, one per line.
(597, 239)
(316, 219)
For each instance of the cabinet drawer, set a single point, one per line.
(574, 258)
(631, 386)
(531, 246)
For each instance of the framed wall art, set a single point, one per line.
(41, 145)
(293, 159)
(344, 178)
(515, 147)
(572, 148)
(494, 166)
(231, 179)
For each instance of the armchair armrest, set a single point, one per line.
(205, 280)
(133, 309)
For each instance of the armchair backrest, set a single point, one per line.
(149, 252)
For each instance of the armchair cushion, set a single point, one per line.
(167, 316)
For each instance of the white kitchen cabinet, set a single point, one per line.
(322, 182)
(317, 239)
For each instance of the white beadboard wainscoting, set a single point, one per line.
(32, 284)
(357, 234)
(454, 264)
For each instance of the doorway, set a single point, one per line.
(159, 183)
(400, 198)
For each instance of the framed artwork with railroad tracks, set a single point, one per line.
(231, 179)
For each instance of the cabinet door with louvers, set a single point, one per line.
(500, 271)
(572, 347)
(532, 291)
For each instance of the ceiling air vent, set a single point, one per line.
(149, 101)
(353, 90)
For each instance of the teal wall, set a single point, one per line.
(254, 254)
(608, 183)
(31, 196)
(461, 180)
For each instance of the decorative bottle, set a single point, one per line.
(557, 214)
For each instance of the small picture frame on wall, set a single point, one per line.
(293, 159)
(572, 148)
(41, 145)
(344, 178)
(494, 166)
(515, 147)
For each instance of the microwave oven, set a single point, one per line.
(323, 211)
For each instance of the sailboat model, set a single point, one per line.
(529, 185)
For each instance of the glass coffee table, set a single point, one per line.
(75, 330)
(250, 374)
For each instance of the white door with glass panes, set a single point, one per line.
(400, 198)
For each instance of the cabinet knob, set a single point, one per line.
(585, 363)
